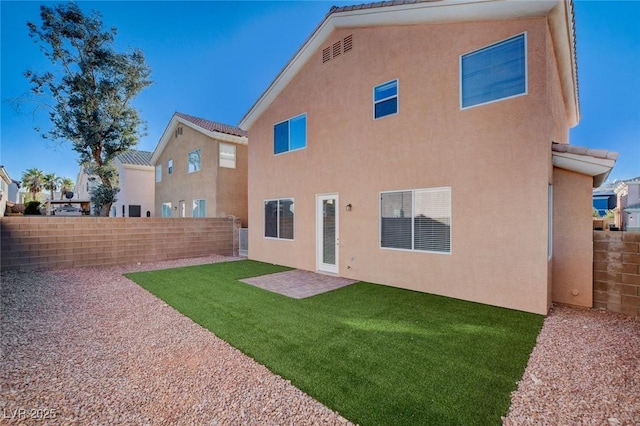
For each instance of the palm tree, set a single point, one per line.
(51, 182)
(33, 180)
(66, 185)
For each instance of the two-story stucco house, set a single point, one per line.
(628, 205)
(137, 185)
(201, 169)
(420, 145)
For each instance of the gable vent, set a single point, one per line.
(348, 43)
(337, 48)
(326, 54)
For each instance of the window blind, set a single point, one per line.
(494, 72)
(416, 220)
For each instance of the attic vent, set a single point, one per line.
(337, 48)
(326, 54)
(178, 131)
(348, 43)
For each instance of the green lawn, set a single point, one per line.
(378, 355)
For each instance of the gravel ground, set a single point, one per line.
(584, 370)
(95, 348)
(88, 346)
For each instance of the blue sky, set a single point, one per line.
(214, 59)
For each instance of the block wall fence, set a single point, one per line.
(616, 272)
(65, 242)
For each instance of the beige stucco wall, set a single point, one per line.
(496, 159)
(572, 238)
(223, 188)
(137, 184)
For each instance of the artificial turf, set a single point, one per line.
(376, 354)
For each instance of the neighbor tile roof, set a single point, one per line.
(213, 126)
(138, 158)
(582, 150)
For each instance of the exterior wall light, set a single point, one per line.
(348, 207)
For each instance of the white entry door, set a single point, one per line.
(327, 233)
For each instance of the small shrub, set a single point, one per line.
(32, 208)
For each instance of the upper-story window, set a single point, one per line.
(290, 135)
(193, 161)
(494, 72)
(159, 173)
(170, 166)
(227, 155)
(385, 99)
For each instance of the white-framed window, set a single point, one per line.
(385, 99)
(166, 209)
(193, 161)
(227, 155)
(199, 208)
(495, 72)
(159, 173)
(290, 135)
(278, 218)
(416, 219)
(92, 183)
(169, 166)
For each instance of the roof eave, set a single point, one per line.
(598, 168)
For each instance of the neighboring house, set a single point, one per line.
(5, 185)
(14, 191)
(628, 210)
(136, 182)
(201, 169)
(85, 183)
(604, 201)
(411, 144)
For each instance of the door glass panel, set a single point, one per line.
(329, 232)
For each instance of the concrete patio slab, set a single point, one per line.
(298, 284)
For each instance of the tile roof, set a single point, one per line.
(213, 126)
(581, 150)
(337, 9)
(138, 158)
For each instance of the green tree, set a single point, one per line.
(92, 89)
(33, 181)
(101, 197)
(51, 183)
(66, 185)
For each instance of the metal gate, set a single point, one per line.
(244, 242)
